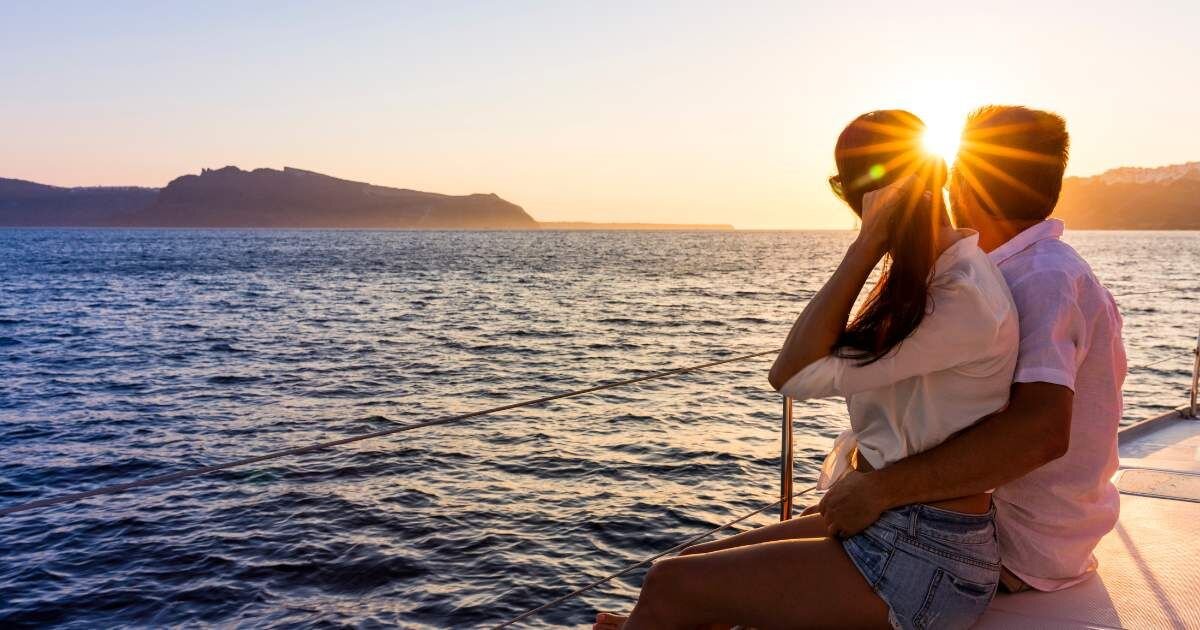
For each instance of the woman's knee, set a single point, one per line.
(660, 597)
(655, 576)
(664, 576)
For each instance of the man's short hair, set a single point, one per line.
(1012, 159)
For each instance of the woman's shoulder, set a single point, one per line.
(973, 310)
(973, 286)
(971, 272)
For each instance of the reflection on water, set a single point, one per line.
(131, 353)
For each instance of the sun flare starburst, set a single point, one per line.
(942, 140)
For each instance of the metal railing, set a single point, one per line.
(1195, 377)
(785, 462)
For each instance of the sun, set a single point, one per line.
(941, 138)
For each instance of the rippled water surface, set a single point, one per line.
(132, 353)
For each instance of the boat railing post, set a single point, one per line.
(1195, 376)
(785, 462)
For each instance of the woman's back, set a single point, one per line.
(954, 369)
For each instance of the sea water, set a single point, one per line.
(129, 353)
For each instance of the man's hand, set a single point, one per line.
(852, 504)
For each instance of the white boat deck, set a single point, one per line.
(1149, 574)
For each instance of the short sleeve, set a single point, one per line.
(1053, 329)
(963, 327)
(817, 380)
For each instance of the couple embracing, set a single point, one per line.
(983, 378)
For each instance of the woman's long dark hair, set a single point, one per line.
(875, 150)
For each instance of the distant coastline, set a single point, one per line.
(589, 225)
(1162, 198)
(230, 197)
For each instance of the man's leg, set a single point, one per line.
(808, 582)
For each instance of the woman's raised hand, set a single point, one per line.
(879, 206)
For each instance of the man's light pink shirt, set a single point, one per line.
(1050, 520)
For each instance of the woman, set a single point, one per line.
(931, 350)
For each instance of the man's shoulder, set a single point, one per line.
(1055, 254)
(1050, 261)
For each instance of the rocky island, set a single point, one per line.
(233, 198)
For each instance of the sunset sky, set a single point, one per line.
(664, 112)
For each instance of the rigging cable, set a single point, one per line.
(204, 470)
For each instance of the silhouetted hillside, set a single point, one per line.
(25, 203)
(1165, 198)
(231, 197)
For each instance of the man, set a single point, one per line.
(1050, 455)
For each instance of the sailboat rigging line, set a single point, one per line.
(204, 470)
(608, 578)
(1153, 292)
(1154, 363)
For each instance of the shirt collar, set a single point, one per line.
(964, 245)
(1047, 229)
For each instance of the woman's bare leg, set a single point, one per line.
(811, 526)
(809, 582)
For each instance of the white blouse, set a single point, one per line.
(953, 370)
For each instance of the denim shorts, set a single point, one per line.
(933, 568)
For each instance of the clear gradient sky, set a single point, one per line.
(665, 112)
